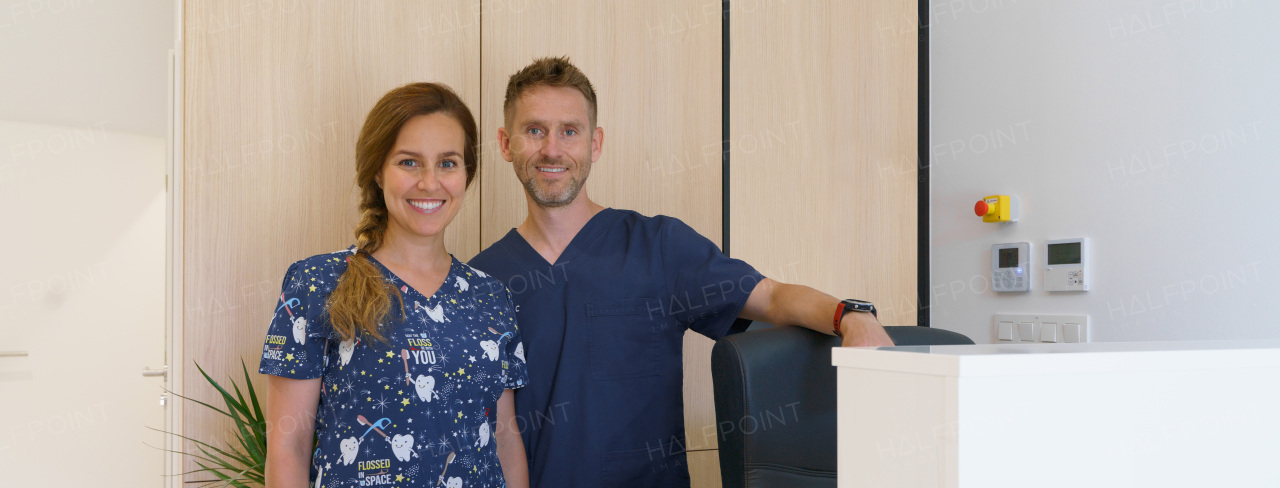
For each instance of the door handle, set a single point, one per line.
(150, 373)
(13, 354)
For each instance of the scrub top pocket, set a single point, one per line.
(625, 335)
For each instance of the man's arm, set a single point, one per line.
(784, 304)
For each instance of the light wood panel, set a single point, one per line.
(275, 94)
(823, 99)
(656, 69)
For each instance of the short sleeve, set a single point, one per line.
(295, 343)
(713, 287)
(517, 370)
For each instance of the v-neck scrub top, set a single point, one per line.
(417, 411)
(604, 326)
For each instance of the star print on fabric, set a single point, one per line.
(288, 357)
(313, 287)
(390, 355)
(405, 402)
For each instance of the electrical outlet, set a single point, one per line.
(1024, 328)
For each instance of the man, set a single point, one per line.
(604, 296)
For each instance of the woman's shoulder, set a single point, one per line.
(477, 278)
(334, 262)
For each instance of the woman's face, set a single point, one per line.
(424, 178)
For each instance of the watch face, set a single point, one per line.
(859, 305)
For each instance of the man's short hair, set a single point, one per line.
(548, 72)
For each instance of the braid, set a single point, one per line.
(362, 299)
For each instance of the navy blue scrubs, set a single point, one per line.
(604, 328)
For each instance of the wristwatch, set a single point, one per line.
(851, 305)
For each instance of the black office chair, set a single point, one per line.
(775, 394)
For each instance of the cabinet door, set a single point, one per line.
(276, 93)
(823, 148)
(656, 69)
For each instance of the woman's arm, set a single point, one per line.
(515, 468)
(291, 414)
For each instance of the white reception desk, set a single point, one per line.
(1159, 414)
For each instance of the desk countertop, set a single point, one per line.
(1038, 359)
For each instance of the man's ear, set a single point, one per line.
(504, 143)
(597, 143)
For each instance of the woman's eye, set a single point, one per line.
(409, 162)
(448, 163)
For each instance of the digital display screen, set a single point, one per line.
(1009, 257)
(1065, 253)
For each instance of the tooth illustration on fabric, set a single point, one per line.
(299, 323)
(299, 329)
(519, 351)
(350, 446)
(462, 284)
(480, 273)
(483, 435)
(490, 349)
(345, 348)
(402, 446)
(454, 482)
(436, 313)
(426, 387)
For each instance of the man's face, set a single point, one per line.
(551, 143)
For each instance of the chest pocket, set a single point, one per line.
(625, 336)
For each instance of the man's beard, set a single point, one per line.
(547, 199)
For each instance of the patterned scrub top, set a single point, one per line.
(418, 412)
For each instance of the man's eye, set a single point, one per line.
(535, 131)
(570, 132)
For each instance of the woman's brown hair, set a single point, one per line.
(361, 301)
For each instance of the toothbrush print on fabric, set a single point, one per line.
(417, 410)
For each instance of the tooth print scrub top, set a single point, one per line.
(417, 411)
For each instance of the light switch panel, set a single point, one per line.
(1039, 328)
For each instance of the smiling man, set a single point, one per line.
(604, 296)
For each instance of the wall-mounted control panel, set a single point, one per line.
(1066, 260)
(1010, 328)
(1011, 267)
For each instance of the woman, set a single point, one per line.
(400, 356)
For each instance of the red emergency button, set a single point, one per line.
(981, 208)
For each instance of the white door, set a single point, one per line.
(82, 215)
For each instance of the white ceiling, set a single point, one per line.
(83, 63)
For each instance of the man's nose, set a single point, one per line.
(551, 148)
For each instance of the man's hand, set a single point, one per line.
(862, 329)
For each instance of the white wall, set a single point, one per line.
(1151, 127)
(78, 63)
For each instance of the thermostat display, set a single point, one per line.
(1010, 267)
(1065, 270)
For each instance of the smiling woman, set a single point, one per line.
(414, 159)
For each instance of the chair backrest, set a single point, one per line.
(775, 395)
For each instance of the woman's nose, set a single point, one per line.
(428, 182)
